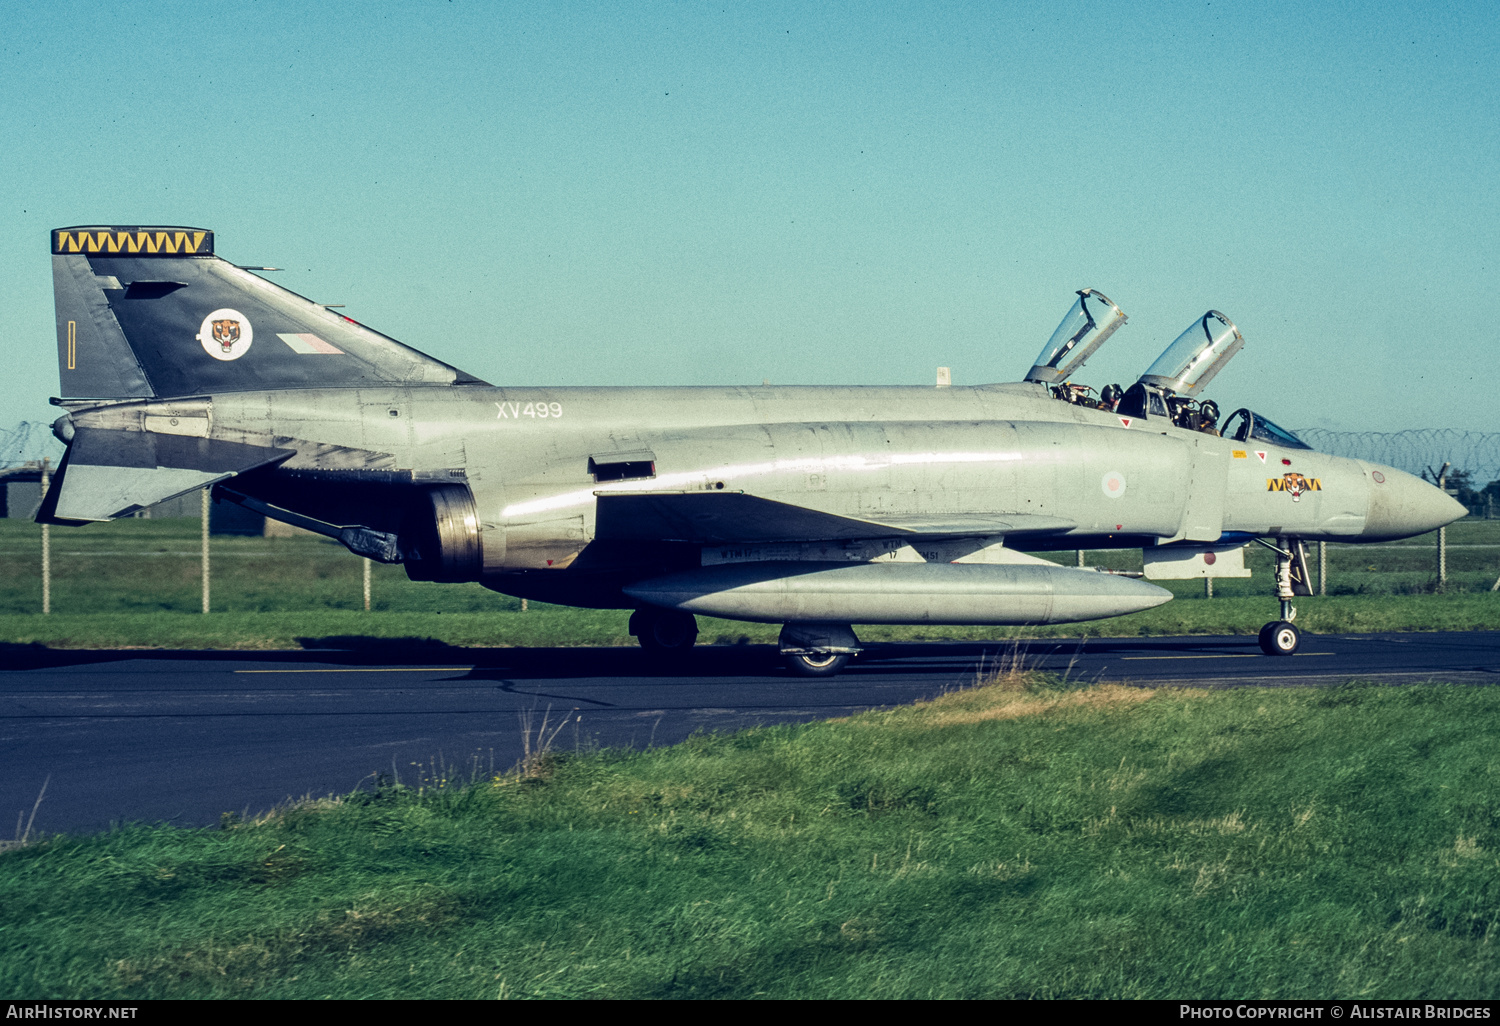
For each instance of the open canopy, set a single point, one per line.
(1190, 363)
(1089, 321)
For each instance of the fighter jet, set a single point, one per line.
(813, 507)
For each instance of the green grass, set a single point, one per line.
(1021, 839)
(113, 583)
(153, 566)
(557, 626)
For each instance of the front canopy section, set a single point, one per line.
(1190, 363)
(1088, 323)
(1247, 426)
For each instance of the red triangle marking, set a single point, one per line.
(1260, 454)
(1126, 420)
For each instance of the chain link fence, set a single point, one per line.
(28, 442)
(26, 450)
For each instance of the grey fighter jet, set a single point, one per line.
(813, 507)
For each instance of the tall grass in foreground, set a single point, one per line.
(1019, 839)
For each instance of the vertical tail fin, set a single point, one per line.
(145, 312)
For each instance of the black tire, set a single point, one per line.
(1280, 638)
(827, 664)
(664, 631)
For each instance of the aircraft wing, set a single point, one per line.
(110, 474)
(718, 518)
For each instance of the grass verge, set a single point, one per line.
(1018, 839)
(549, 626)
(136, 583)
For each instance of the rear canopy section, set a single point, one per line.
(152, 311)
(1086, 326)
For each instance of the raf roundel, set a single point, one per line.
(226, 334)
(1113, 485)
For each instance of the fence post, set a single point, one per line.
(205, 550)
(46, 546)
(367, 583)
(1080, 557)
(1208, 587)
(1442, 483)
(1322, 568)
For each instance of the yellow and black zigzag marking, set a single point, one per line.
(134, 241)
(1309, 484)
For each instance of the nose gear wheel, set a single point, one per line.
(1280, 639)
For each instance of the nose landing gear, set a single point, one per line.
(1281, 637)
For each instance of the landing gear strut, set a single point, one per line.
(1281, 637)
(664, 632)
(817, 649)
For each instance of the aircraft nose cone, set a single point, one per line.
(1402, 505)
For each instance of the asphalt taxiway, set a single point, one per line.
(182, 737)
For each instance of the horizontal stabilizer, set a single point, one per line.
(110, 474)
(718, 518)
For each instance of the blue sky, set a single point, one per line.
(698, 194)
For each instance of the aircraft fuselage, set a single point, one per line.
(532, 459)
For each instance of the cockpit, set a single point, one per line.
(1247, 426)
(1171, 386)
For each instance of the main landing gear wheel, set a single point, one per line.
(664, 631)
(820, 664)
(1280, 638)
(817, 649)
